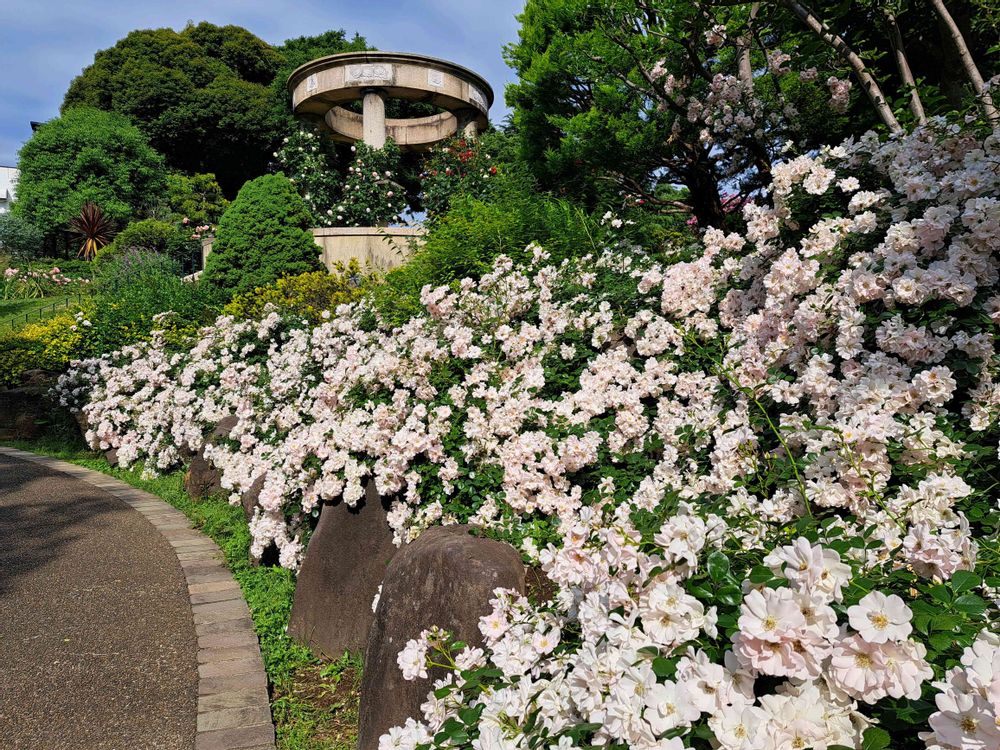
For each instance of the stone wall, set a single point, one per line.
(378, 248)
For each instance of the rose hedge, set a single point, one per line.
(760, 474)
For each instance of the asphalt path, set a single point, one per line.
(97, 640)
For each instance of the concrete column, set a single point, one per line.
(373, 118)
(466, 122)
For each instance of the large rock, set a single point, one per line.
(343, 566)
(445, 578)
(202, 479)
(249, 498)
(24, 412)
(81, 422)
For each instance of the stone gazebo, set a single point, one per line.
(320, 89)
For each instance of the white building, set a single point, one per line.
(8, 181)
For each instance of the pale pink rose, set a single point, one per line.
(880, 618)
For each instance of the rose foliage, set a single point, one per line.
(760, 474)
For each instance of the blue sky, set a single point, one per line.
(44, 44)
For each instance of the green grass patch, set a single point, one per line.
(314, 703)
(14, 313)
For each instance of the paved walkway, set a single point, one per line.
(118, 629)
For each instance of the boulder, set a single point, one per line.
(202, 478)
(39, 378)
(445, 578)
(249, 498)
(111, 456)
(343, 566)
(28, 425)
(81, 421)
(24, 412)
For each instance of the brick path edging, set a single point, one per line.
(234, 710)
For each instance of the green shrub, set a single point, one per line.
(481, 169)
(197, 198)
(74, 268)
(47, 345)
(262, 236)
(157, 236)
(19, 238)
(309, 159)
(371, 196)
(135, 287)
(464, 242)
(308, 294)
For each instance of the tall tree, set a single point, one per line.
(210, 98)
(86, 155)
(622, 101)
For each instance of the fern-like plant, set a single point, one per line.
(93, 227)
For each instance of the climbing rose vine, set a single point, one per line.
(371, 196)
(760, 475)
(309, 160)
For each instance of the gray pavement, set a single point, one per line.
(97, 641)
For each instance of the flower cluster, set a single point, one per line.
(370, 197)
(758, 475)
(459, 166)
(308, 160)
(27, 283)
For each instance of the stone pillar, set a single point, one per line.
(467, 124)
(373, 118)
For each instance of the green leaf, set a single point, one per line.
(729, 595)
(664, 667)
(875, 739)
(940, 593)
(970, 604)
(964, 580)
(941, 641)
(718, 566)
(760, 574)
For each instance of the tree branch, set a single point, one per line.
(896, 40)
(868, 82)
(743, 43)
(965, 55)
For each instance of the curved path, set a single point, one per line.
(118, 629)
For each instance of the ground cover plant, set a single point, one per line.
(759, 472)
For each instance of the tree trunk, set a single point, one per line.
(703, 188)
(868, 82)
(896, 40)
(968, 63)
(745, 67)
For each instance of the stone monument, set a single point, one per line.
(323, 86)
(320, 89)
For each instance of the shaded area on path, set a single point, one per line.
(97, 641)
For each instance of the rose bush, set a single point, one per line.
(371, 197)
(759, 472)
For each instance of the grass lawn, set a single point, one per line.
(12, 311)
(314, 703)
